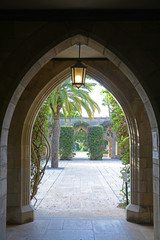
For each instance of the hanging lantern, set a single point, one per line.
(78, 73)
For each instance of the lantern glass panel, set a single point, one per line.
(78, 72)
(78, 75)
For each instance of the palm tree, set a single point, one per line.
(69, 99)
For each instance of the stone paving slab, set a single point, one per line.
(80, 228)
(81, 188)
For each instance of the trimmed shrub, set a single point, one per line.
(95, 142)
(66, 142)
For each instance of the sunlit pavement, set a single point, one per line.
(78, 201)
(81, 188)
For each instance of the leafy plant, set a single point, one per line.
(68, 100)
(119, 125)
(66, 142)
(123, 202)
(95, 142)
(40, 148)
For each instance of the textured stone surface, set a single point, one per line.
(20, 215)
(80, 228)
(81, 188)
(138, 214)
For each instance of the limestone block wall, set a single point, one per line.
(95, 121)
(3, 192)
(3, 183)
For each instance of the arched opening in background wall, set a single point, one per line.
(37, 84)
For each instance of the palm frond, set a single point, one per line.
(73, 99)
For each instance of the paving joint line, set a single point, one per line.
(106, 181)
(52, 184)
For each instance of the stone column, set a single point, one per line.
(110, 148)
(19, 209)
(140, 209)
(117, 149)
(3, 187)
(113, 147)
(156, 190)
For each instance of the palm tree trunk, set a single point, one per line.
(55, 143)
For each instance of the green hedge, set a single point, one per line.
(95, 142)
(66, 142)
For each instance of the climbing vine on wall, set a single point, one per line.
(66, 142)
(95, 142)
(119, 125)
(40, 148)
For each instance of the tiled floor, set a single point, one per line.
(80, 228)
(78, 201)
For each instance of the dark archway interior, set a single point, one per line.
(111, 77)
(33, 74)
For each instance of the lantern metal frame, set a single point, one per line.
(78, 67)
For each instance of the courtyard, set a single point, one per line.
(81, 188)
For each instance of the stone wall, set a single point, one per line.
(95, 121)
(28, 75)
(3, 192)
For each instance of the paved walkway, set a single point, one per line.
(81, 188)
(78, 201)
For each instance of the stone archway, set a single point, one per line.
(112, 144)
(131, 104)
(79, 128)
(80, 125)
(115, 76)
(109, 146)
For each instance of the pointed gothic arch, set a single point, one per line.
(36, 85)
